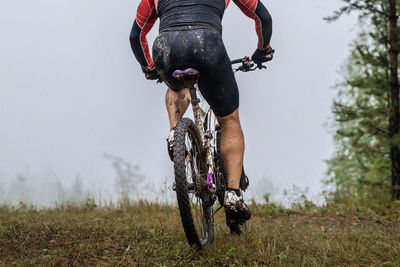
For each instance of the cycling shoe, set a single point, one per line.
(237, 212)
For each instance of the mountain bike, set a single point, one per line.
(200, 178)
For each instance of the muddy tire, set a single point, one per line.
(190, 179)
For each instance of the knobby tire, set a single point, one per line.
(196, 237)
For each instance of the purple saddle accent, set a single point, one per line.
(189, 71)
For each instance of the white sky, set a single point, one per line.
(71, 90)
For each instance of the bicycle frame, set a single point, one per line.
(202, 118)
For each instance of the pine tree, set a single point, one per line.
(367, 113)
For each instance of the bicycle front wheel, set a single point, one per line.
(191, 184)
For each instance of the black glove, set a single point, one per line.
(261, 56)
(151, 74)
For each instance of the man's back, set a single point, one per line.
(194, 13)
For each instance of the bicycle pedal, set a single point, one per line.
(170, 144)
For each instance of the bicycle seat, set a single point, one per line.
(189, 74)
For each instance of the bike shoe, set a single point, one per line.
(237, 226)
(237, 212)
(170, 144)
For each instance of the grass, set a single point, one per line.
(151, 234)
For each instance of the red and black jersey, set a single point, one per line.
(186, 14)
(196, 13)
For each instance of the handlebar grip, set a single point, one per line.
(236, 61)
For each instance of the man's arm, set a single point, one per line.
(257, 11)
(145, 19)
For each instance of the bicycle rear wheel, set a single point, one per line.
(191, 184)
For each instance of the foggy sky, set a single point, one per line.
(71, 90)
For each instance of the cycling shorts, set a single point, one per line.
(203, 50)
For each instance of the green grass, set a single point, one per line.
(151, 234)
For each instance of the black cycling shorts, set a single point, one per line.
(201, 49)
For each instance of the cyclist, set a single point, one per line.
(190, 35)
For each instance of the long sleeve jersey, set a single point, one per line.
(178, 14)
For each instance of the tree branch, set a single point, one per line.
(355, 6)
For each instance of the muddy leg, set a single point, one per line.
(177, 102)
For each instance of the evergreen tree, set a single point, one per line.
(366, 111)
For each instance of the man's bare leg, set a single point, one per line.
(177, 102)
(232, 147)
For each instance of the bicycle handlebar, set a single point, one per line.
(247, 65)
(238, 60)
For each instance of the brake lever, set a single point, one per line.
(246, 66)
(261, 66)
(249, 65)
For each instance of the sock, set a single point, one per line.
(237, 191)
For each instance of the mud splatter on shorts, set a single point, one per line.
(203, 50)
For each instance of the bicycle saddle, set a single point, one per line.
(189, 74)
